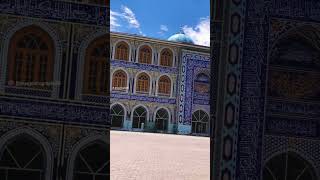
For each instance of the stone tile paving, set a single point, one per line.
(150, 156)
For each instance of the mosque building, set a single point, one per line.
(159, 85)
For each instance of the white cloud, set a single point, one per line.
(130, 17)
(199, 34)
(114, 20)
(164, 28)
(125, 16)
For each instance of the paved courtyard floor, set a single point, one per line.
(149, 156)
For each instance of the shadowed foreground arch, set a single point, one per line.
(288, 166)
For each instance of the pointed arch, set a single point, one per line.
(31, 58)
(200, 122)
(56, 43)
(145, 54)
(162, 117)
(288, 165)
(143, 83)
(120, 80)
(139, 115)
(24, 134)
(164, 86)
(100, 140)
(122, 51)
(96, 73)
(166, 57)
(118, 114)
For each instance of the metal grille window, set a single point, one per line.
(22, 158)
(117, 116)
(200, 122)
(288, 166)
(139, 117)
(92, 162)
(162, 119)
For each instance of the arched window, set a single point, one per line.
(166, 58)
(122, 51)
(117, 116)
(295, 66)
(119, 81)
(164, 86)
(162, 119)
(139, 117)
(22, 158)
(97, 67)
(200, 122)
(143, 83)
(145, 55)
(92, 162)
(288, 166)
(30, 58)
(202, 83)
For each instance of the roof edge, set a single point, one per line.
(159, 40)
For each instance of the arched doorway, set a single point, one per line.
(288, 166)
(22, 158)
(92, 162)
(117, 116)
(162, 119)
(200, 122)
(139, 117)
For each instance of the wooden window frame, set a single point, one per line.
(166, 58)
(122, 54)
(119, 83)
(102, 75)
(144, 86)
(145, 57)
(35, 54)
(164, 86)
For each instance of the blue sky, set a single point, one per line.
(162, 18)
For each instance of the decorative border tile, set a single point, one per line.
(56, 10)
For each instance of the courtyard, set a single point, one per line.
(150, 156)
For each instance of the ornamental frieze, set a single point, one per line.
(147, 67)
(293, 108)
(291, 127)
(53, 111)
(56, 10)
(295, 85)
(143, 98)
